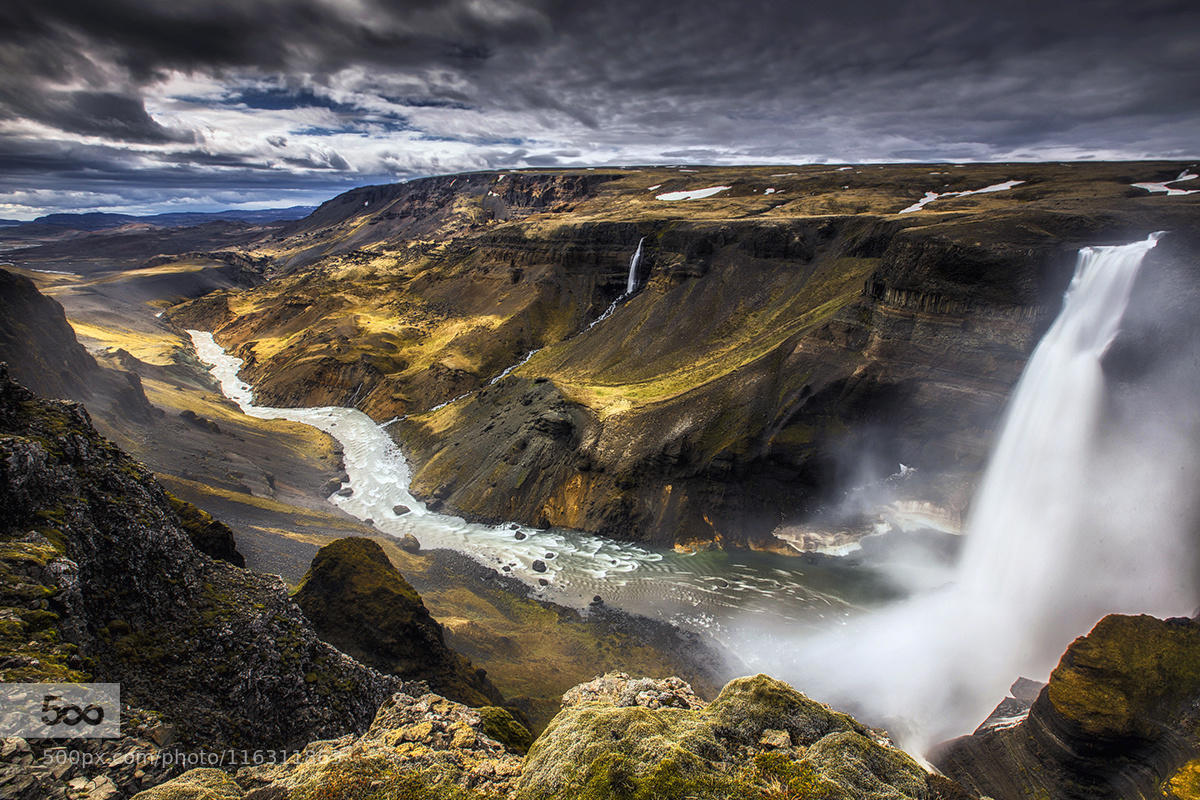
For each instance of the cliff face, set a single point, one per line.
(1118, 719)
(359, 603)
(105, 583)
(782, 346)
(38, 344)
(41, 351)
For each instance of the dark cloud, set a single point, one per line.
(454, 84)
(108, 115)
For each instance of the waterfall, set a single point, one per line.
(631, 283)
(1075, 518)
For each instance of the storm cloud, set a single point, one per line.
(136, 104)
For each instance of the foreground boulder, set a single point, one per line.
(1120, 718)
(759, 738)
(417, 747)
(362, 605)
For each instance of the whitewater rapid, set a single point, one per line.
(701, 591)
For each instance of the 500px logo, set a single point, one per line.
(92, 714)
(60, 710)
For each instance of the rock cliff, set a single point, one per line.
(783, 347)
(1118, 719)
(41, 350)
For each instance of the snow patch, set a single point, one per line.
(652, 188)
(769, 191)
(692, 194)
(1165, 186)
(931, 196)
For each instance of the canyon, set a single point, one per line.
(783, 378)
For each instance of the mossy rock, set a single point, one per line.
(196, 784)
(500, 725)
(1128, 676)
(377, 778)
(601, 751)
(361, 604)
(856, 768)
(1185, 783)
(748, 706)
(210, 536)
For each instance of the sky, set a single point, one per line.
(146, 106)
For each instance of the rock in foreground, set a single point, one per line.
(362, 605)
(615, 739)
(102, 578)
(1119, 719)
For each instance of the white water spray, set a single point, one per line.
(1069, 524)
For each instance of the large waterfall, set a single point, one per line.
(1072, 521)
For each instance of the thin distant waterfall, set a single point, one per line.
(631, 283)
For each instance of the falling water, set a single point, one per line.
(631, 283)
(1069, 524)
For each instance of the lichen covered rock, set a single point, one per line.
(417, 747)
(101, 579)
(362, 605)
(618, 689)
(759, 738)
(1120, 718)
(197, 784)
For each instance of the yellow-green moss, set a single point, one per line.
(499, 724)
(196, 784)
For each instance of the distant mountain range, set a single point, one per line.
(96, 221)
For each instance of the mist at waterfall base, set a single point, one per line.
(1086, 508)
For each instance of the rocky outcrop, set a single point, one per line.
(758, 736)
(103, 581)
(362, 605)
(758, 739)
(210, 536)
(1118, 719)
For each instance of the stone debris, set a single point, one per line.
(619, 689)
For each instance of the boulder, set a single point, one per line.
(196, 784)
(619, 737)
